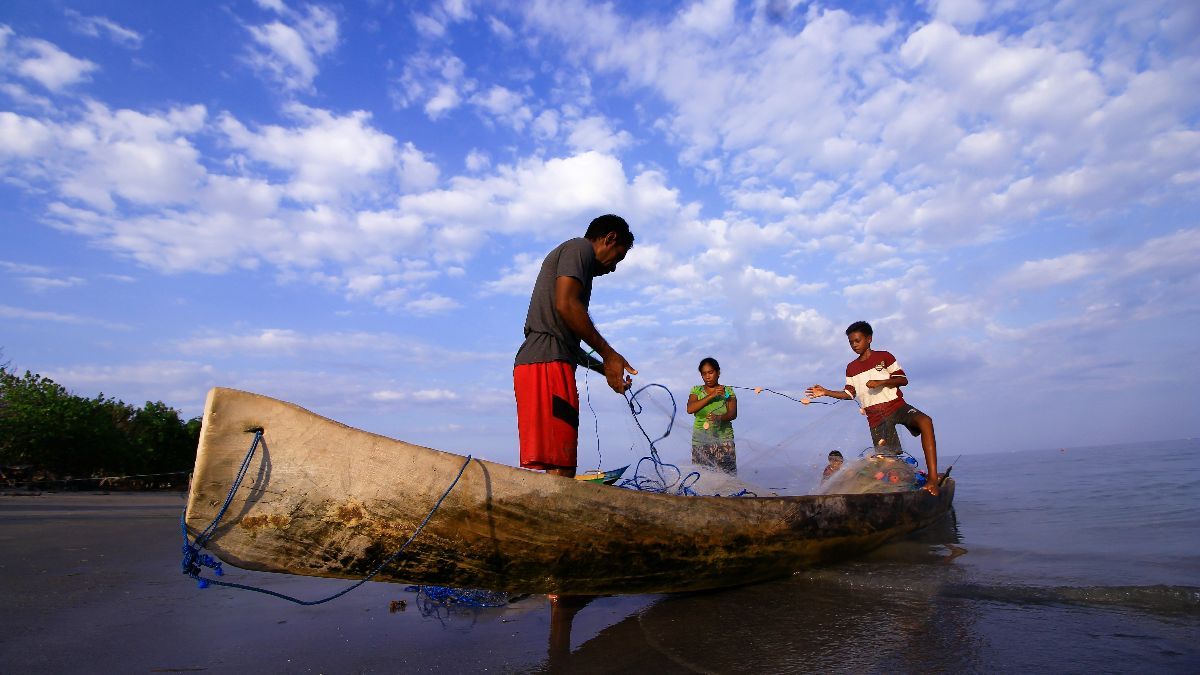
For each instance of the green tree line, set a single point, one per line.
(44, 427)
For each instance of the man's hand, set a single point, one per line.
(615, 367)
(873, 384)
(816, 391)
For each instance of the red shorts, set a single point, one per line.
(547, 414)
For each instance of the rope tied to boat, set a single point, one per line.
(194, 561)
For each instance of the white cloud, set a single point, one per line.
(505, 105)
(9, 312)
(431, 303)
(545, 126)
(414, 396)
(434, 395)
(477, 160)
(23, 136)
(959, 12)
(766, 283)
(99, 26)
(439, 82)
(41, 283)
(516, 279)
(500, 29)
(1054, 271)
(417, 172)
(327, 155)
(1160, 258)
(709, 17)
(288, 52)
(950, 123)
(594, 133)
(42, 61)
(23, 268)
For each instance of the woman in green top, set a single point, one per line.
(714, 406)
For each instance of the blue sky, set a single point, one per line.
(344, 205)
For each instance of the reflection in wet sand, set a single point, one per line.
(886, 614)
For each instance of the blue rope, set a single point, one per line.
(194, 561)
(682, 484)
(595, 418)
(464, 597)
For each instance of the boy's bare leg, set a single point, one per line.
(929, 446)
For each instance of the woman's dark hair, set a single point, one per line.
(710, 361)
(607, 223)
(859, 327)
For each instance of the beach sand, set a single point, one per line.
(92, 583)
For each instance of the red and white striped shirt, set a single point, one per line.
(879, 402)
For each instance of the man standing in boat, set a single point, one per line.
(544, 369)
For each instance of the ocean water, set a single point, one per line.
(1061, 560)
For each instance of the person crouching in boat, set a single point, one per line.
(544, 368)
(715, 408)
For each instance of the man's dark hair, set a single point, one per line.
(710, 361)
(860, 327)
(607, 223)
(835, 453)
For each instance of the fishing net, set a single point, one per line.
(780, 445)
(874, 474)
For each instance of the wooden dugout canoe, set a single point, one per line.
(324, 499)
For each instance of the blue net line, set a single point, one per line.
(194, 560)
(659, 482)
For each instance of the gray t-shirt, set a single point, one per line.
(547, 337)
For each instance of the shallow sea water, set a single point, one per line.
(1063, 560)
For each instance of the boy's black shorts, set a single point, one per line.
(885, 431)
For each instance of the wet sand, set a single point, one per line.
(92, 583)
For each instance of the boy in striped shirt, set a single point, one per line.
(875, 378)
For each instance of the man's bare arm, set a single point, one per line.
(574, 314)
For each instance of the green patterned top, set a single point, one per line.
(722, 431)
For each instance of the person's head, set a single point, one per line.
(611, 239)
(710, 371)
(859, 335)
(835, 457)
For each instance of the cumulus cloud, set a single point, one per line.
(325, 154)
(949, 124)
(42, 61)
(287, 50)
(438, 83)
(505, 105)
(595, 133)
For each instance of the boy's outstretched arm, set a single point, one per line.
(817, 391)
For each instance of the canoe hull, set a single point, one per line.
(324, 499)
